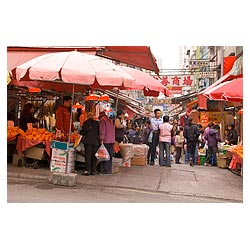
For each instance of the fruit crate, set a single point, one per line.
(221, 161)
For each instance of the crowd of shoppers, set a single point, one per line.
(164, 136)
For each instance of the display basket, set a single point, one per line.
(221, 161)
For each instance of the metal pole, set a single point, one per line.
(71, 118)
(116, 104)
(222, 60)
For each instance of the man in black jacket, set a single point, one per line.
(90, 132)
(191, 133)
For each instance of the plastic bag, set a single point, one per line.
(102, 154)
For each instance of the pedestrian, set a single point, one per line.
(107, 138)
(137, 139)
(155, 123)
(119, 126)
(173, 122)
(147, 139)
(191, 133)
(27, 116)
(232, 137)
(90, 133)
(195, 114)
(130, 132)
(208, 127)
(212, 138)
(63, 116)
(165, 142)
(178, 146)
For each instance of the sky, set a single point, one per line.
(163, 26)
(169, 55)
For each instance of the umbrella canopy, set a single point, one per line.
(240, 112)
(142, 80)
(228, 91)
(73, 67)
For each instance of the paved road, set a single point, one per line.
(27, 191)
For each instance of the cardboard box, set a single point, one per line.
(61, 159)
(34, 153)
(61, 155)
(60, 145)
(60, 166)
(139, 161)
(16, 158)
(116, 163)
(140, 150)
(127, 163)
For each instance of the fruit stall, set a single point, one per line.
(235, 155)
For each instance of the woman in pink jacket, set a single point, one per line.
(107, 138)
(165, 142)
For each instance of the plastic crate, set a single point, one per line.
(202, 159)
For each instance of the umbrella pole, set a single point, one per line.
(116, 104)
(70, 127)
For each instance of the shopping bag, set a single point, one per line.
(102, 154)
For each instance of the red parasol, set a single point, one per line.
(227, 91)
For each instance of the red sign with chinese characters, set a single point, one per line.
(177, 80)
(175, 90)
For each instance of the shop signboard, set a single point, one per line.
(175, 90)
(177, 80)
(208, 74)
(161, 101)
(198, 63)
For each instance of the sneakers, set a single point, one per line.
(207, 164)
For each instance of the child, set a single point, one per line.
(178, 146)
(137, 139)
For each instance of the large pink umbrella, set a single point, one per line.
(228, 91)
(142, 80)
(75, 68)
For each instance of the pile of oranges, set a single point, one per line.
(13, 132)
(74, 137)
(238, 149)
(38, 134)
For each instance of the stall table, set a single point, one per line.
(237, 159)
(33, 150)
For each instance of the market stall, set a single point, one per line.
(73, 72)
(235, 155)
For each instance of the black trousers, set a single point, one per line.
(155, 142)
(106, 166)
(178, 154)
(90, 159)
(149, 151)
(191, 147)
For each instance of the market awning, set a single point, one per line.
(139, 56)
(227, 91)
(19, 55)
(183, 98)
(236, 71)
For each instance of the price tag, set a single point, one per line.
(30, 126)
(10, 124)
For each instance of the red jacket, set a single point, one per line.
(63, 119)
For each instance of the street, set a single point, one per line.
(25, 191)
